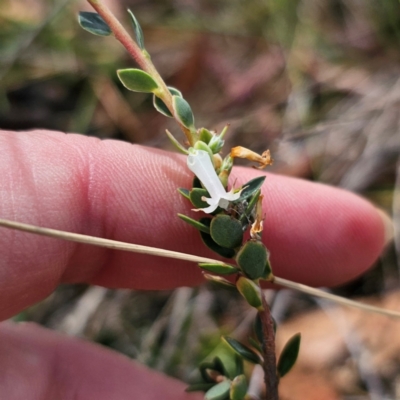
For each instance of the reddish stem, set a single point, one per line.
(268, 347)
(142, 58)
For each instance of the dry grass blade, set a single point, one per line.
(337, 299)
(135, 248)
(110, 244)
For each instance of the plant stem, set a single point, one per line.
(141, 57)
(268, 347)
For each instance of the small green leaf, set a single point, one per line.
(251, 187)
(238, 388)
(289, 355)
(184, 192)
(251, 292)
(199, 387)
(252, 203)
(223, 269)
(205, 135)
(197, 224)
(217, 142)
(196, 195)
(226, 231)
(183, 112)
(138, 30)
(200, 145)
(219, 391)
(244, 351)
(160, 106)
(137, 80)
(252, 258)
(93, 23)
(209, 242)
(177, 145)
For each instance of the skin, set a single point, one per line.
(317, 235)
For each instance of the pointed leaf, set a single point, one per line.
(244, 351)
(200, 145)
(289, 355)
(137, 80)
(226, 231)
(93, 23)
(197, 224)
(138, 30)
(205, 135)
(251, 187)
(251, 292)
(177, 145)
(219, 391)
(160, 106)
(217, 142)
(252, 203)
(222, 269)
(184, 192)
(183, 112)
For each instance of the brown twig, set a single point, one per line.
(268, 347)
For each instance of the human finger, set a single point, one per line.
(40, 364)
(316, 234)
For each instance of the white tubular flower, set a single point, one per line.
(200, 164)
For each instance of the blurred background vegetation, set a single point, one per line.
(318, 82)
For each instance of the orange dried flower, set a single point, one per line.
(264, 159)
(257, 226)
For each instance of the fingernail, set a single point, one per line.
(388, 226)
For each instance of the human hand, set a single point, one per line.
(316, 234)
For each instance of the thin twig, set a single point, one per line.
(269, 353)
(136, 248)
